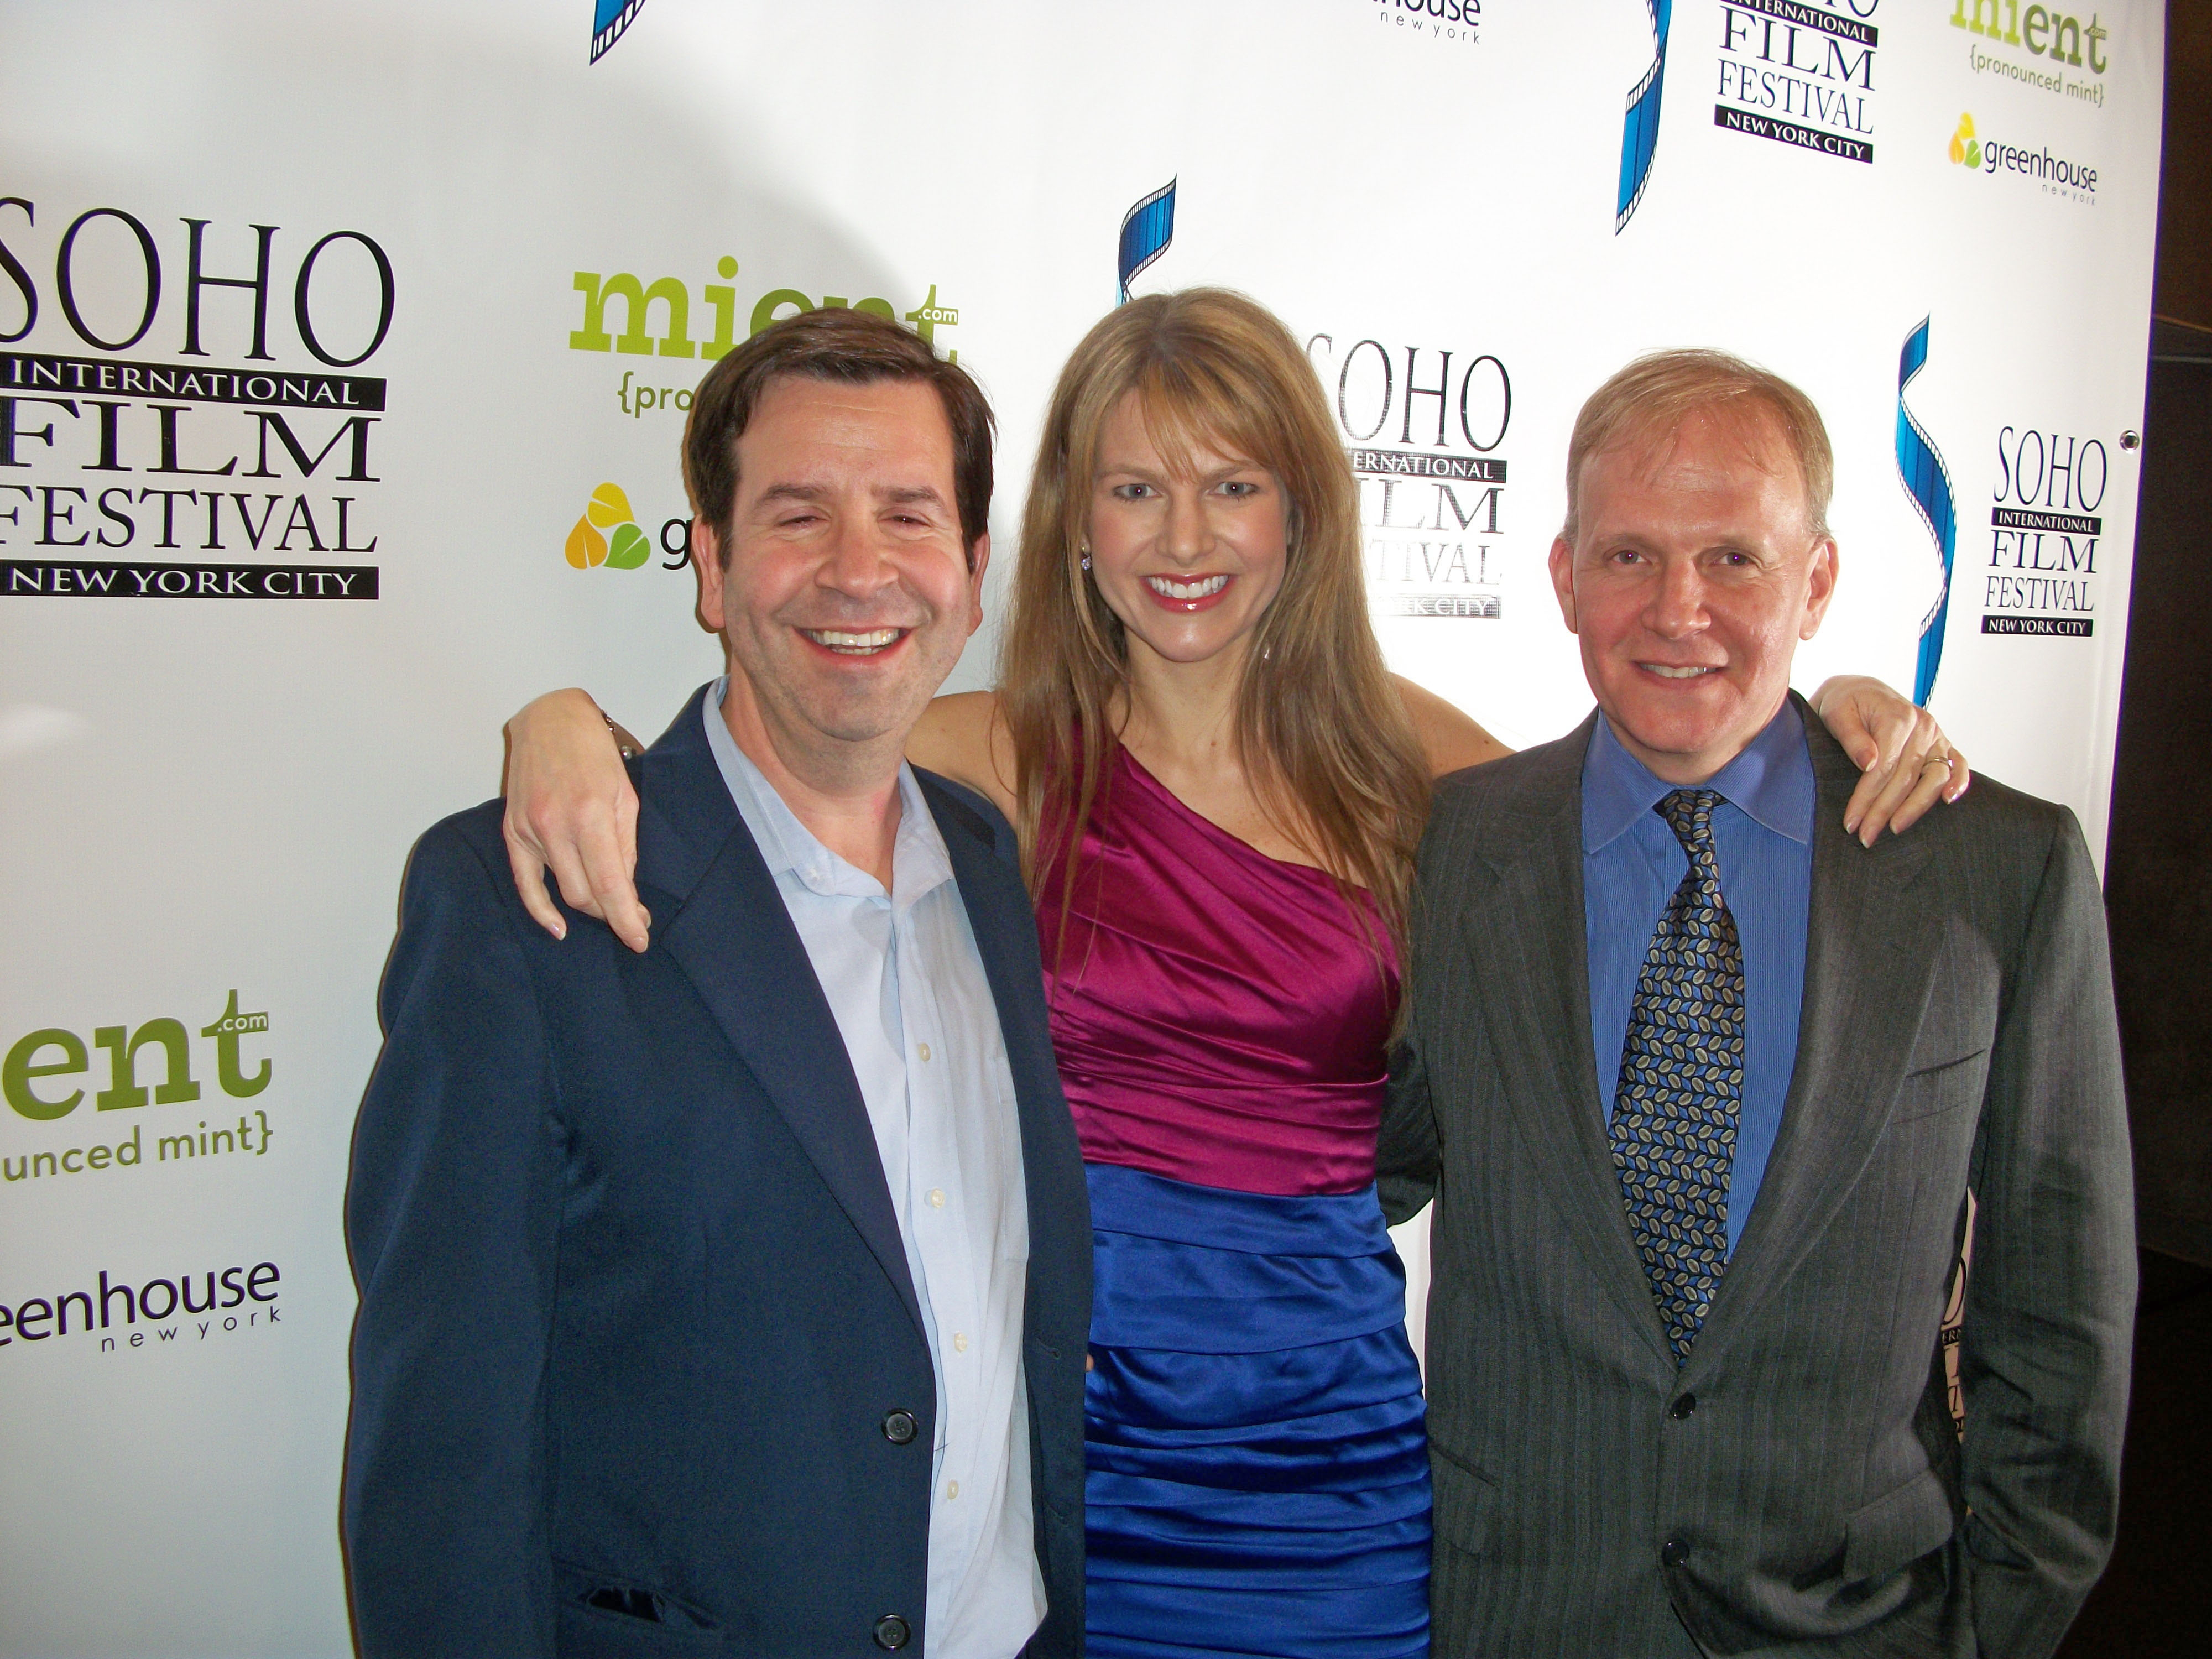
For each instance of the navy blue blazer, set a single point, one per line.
(637, 1345)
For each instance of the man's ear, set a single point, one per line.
(707, 564)
(978, 560)
(1562, 565)
(1820, 586)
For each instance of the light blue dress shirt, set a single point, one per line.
(906, 984)
(1632, 865)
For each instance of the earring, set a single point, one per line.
(1085, 551)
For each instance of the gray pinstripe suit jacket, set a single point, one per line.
(1797, 1487)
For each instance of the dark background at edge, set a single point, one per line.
(2157, 891)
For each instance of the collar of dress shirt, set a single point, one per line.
(919, 860)
(1771, 782)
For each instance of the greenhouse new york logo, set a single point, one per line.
(2054, 175)
(1965, 148)
(590, 544)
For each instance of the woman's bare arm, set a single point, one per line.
(571, 808)
(1449, 738)
(1909, 763)
(961, 737)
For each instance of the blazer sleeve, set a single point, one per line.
(2051, 1296)
(452, 1217)
(1408, 1155)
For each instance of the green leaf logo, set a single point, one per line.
(608, 510)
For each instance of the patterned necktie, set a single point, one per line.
(1681, 1083)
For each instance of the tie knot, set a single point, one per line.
(1689, 814)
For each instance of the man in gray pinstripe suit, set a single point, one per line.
(1701, 1085)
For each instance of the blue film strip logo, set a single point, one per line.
(1145, 233)
(609, 19)
(1639, 131)
(1928, 482)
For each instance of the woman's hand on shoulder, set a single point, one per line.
(1909, 763)
(962, 736)
(571, 808)
(1450, 740)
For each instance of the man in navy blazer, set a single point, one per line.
(731, 1297)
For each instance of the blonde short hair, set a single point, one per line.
(1651, 398)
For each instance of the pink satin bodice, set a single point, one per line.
(1220, 1016)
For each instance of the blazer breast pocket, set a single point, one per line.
(1465, 1500)
(1946, 1087)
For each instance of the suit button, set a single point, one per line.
(892, 1633)
(1683, 1405)
(899, 1427)
(1673, 1553)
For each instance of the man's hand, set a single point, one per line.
(1909, 763)
(570, 807)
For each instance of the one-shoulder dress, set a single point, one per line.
(1259, 1479)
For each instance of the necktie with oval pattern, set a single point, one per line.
(1681, 1093)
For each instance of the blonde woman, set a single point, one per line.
(1219, 789)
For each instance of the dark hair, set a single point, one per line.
(857, 348)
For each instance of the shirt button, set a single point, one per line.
(960, 1341)
(936, 1198)
(925, 1053)
(952, 1489)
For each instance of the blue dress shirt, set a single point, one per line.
(1632, 865)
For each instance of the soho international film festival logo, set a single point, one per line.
(606, 535)
(2053, 175)
(1794, 72)
(1428, 504)
(112, 459)
(2040, 579)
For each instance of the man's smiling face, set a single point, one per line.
(1693, 574)
(843, 584)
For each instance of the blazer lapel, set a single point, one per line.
(1532, 978)
(725, 925)
(1869, 956)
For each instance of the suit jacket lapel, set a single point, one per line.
(1869, 958)
(1532, 978)
(725, 925)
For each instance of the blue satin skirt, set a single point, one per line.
(1258, 1472)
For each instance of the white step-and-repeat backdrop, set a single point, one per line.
(343, 354)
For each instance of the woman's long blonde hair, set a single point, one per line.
(1320, 729)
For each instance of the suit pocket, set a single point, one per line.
(601, 1613)
(1944, 1088)
(1897, 1527)
(1465, 1503)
